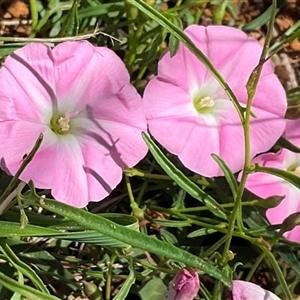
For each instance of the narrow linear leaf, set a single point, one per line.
(263, 18)
(288, 176)
(186, 184)
(24, 290)
(177, 32)
(227, 173)
(174, 42)
(124, 291)
(126, 235)
(289, 257)
(22, 267)
(17, 296)
(71, 25)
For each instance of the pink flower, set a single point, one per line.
(266, 185)
(243, 290)
(79, 96)
(190, 114)
(292, 132)
(184, 286)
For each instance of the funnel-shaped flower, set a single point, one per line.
(243, 290)
(191, 115)
(184, 286)
(79, 96)
(266, 185)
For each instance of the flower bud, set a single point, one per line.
(184, 286)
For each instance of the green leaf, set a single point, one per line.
(153, 289)
(71, 24)
(185, 183)
(174, 42)
(17, 296)
(125, 235)
(288, 176)
(177, 32)
(227, 173)
(24, 290)
(44, 261)
(13, 229)
(124, 291)
(289, 257)
(263, 18)
(218, 14)
(21, 266)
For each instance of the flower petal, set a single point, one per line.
(27, 87)
(173, 118)
(250, 291)
(97, 73)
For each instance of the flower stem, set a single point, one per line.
(236, 214)
(109, 276)
(24, 164)
(34, 16)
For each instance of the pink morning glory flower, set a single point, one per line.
(266, 185)
(80, 98)
(190, 114)
(243, 290)
(184, 286)
(292, 131)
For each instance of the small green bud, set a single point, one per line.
(92, 291)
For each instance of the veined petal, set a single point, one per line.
(97, 73)
(102, 172)
(249, 291)
(17, 140)
(27, 86)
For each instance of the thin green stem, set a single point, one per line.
(113, 257)
(24, 164)
(34, 16)
(255, 266)
(236, 214)
(135, 172)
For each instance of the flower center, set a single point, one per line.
(203, 104)
(60, 124)
(64, 123)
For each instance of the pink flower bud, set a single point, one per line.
(184, 286)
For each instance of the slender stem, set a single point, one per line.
(8, 200)
(34, 15)
(24, 164)
(255, 266)
(57, 40)
(237, 209)
(109, 276)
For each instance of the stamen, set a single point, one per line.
(64, 123)
(206, 102)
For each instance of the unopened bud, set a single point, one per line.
(290, 222)
(184, 286)
(270, 202)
